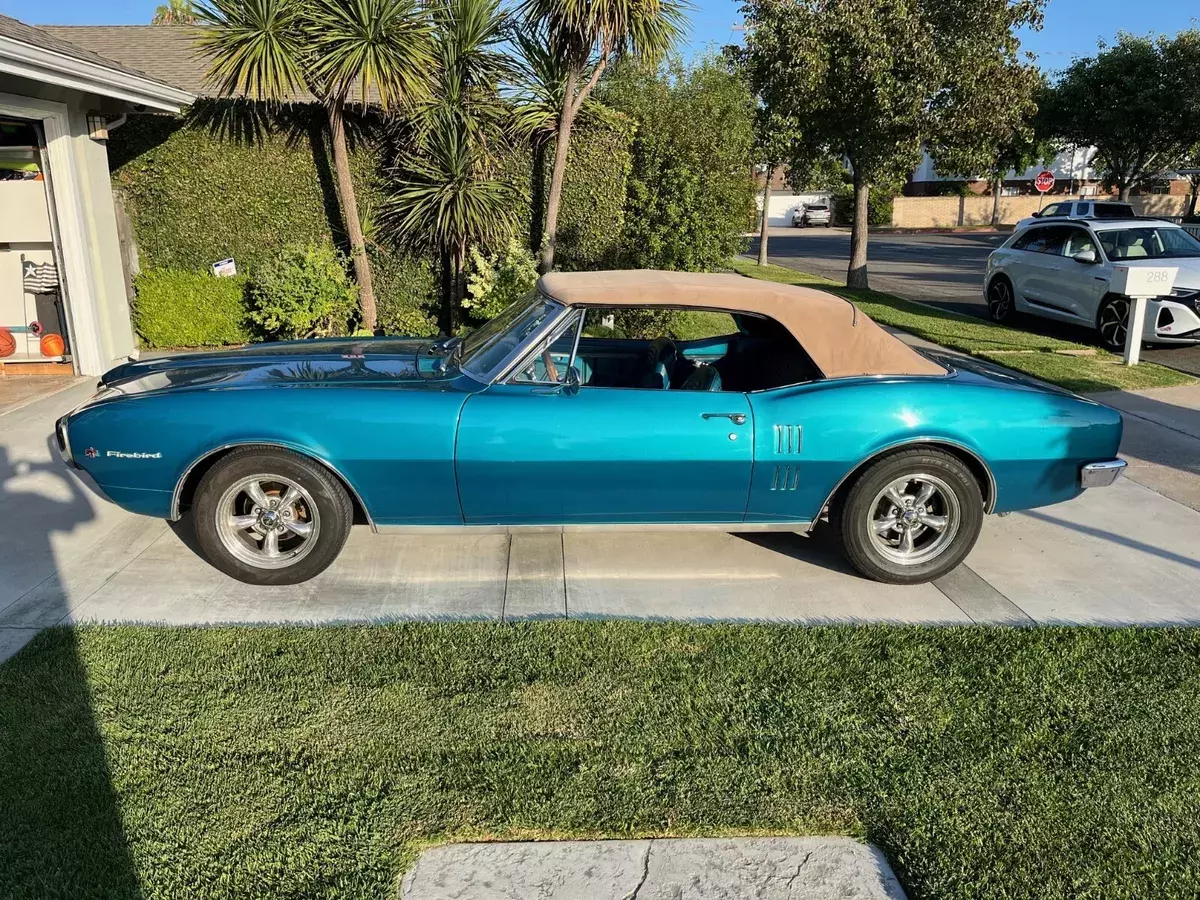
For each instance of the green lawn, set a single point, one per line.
(1041, 356)
(315, 762)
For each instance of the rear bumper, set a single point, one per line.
(1101, 474)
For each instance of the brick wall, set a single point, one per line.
(950, 212)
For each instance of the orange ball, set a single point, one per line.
(8, 343)
(53, 345)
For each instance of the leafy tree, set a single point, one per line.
(775, 139)
(588, 36)
(271, 49)
(974, 139)
(1134, 102)
(174, 12)
(690, 193)
(446, 191)
(865, 78)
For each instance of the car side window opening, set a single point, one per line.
(1043, 240)
(647, 348)
(1055, 209)
(1081, 209)
(1078, 241)
(549, 361)
(1148, 242)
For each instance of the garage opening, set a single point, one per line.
(34, 338)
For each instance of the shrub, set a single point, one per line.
(500, 279)
(879, 206)
(405, 288)
(304, 293)
(177, 308)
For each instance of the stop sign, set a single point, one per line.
(1044, 181)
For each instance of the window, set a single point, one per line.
(1077, 241)
(1056, 209)
(1149, 242)
(1081, 209)
(550, 360)
(650, 348)
(486, 348)
(1114, 211)
(1043, 240)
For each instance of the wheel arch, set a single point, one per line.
(972, 460)
(185, 487)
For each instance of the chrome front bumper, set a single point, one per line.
(63, 441)
(1101, 474)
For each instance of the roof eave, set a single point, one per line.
(47, 66)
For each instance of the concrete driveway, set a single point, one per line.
(1122, 555)
(944, 270)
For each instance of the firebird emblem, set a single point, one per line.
(91, 452)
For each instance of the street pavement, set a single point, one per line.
(1120, 555)
(944, 270)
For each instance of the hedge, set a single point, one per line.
(177, 308)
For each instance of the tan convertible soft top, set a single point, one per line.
(839, 338)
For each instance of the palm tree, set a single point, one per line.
(588, 36)
(447, 191)
(536, 98)
(174, 12)
(273, 50)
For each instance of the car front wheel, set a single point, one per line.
(270, 516)
(910, 517)
(1112, 321)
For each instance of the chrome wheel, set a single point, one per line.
(1000, 300)
(914, 519)
(1113, 323)
(267, 521)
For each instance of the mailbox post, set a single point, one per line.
(1139, 284)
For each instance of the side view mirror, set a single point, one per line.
(572, 381)
(1085, 256)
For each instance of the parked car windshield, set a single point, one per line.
(1148, 242)
(485, 348)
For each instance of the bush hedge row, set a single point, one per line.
(181, 308)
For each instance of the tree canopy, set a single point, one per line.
(872, 80)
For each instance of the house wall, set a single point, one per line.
(951, 212)
(107, 286)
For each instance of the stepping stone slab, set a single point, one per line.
(832, 868)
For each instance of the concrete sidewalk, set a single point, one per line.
(1120, 555)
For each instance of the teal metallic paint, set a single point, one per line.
(379, 414)
(605, 455)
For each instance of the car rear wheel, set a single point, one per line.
(269, 516)
(1001, 305)
(1112, 321)
(909, 517)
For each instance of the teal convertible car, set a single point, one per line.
(794, 406)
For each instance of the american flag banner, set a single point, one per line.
(39, 279)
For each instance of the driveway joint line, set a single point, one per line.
(562, 547)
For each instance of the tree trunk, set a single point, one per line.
(856, 275)
(1192, 200)
(460, 279)
(997, 187)
(766, 212)
(358, 247)
(447, 285)
(566, 119)
(1123, 188)
(537, 195)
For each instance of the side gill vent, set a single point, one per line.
(786, 478)
(787, 439)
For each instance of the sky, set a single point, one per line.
(1072, 27)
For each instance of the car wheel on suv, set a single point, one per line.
(1001, 306)
(1112, 321)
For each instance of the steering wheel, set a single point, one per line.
(551, 368)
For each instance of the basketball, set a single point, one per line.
(8, 343)
(52, 345)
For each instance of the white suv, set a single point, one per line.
(1061, 270)
(1080, 209)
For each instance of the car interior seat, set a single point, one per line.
(658, 364)
(703, 378)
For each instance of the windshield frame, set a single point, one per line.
(514, 313)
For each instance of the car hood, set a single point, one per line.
(384, 361)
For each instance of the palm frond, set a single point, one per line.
(576, 28)
(256, 47)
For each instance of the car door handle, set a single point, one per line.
(735, 418)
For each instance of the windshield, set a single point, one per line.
(1150, 242)
(486, 348)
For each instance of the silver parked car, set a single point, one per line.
(811, 214)
(1061, 270)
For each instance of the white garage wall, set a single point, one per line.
(783, 205)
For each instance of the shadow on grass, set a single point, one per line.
(61, 834)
